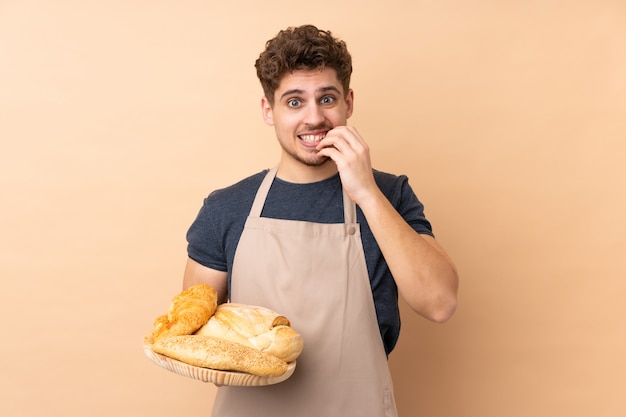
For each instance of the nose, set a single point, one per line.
(314, 115)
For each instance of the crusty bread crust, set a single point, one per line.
(188, 311)
(210, 352)
(256, 327)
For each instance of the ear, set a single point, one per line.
(350, 103)
(266, 110)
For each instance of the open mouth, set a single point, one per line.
(312, 138)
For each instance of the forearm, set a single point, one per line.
(198, 274)
(425, 275)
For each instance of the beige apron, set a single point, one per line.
(315, 275)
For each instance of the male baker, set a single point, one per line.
(321, 238)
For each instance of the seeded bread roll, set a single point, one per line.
(210, 352)
(256, 327)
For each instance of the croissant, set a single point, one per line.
(188, 311)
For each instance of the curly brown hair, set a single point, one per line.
(302, 48)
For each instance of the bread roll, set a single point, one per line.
(256, 327)
(210, 352)
(188, 311)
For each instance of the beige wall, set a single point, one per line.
(118, 117)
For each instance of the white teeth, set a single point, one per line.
(312, 138)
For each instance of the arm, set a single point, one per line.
(425, 275)
(196, 273)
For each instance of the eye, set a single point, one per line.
(327, 100)
(293, 102)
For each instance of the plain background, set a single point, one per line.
(118, 117)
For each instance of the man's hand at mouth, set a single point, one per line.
(345, 146)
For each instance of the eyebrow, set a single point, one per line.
(319, 90)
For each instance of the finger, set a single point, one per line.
(354, 139)
(335, 138)
(331, 152)
(348, 139)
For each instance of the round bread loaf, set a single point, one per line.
(256, 327)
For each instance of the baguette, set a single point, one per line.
(213, 353)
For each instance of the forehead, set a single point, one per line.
(308, 81)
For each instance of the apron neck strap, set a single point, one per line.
(349, 208)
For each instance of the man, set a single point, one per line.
(323, 239)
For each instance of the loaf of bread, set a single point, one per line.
(210, 352)
(228, 337)
(188, 311)
(256, 327)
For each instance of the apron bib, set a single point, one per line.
(315, 275)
